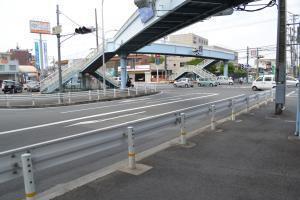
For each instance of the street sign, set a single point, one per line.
(56, 30)
(253, 53)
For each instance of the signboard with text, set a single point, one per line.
(39, 27)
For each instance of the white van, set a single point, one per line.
(264, 83)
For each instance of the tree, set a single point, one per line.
(195, 61)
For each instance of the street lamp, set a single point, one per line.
(103, 49)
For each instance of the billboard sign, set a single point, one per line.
(39, 27)
(253, 53)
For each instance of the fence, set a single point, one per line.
(37, 100)
(60, 151)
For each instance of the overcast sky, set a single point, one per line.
(237, 31)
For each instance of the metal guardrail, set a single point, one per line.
(59, 151)
(36, 99)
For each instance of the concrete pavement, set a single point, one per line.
(255, 157)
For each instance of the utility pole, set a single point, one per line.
(280, 75)
(247, 67)
(103, 50)
(257, 64)
(41, 53)
(58, 52)
(96, 21)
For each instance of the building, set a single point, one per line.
(9, 68)
(189, 39)
(23, 56)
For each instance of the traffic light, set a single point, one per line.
(83, 30)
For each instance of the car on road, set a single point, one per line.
(224, 80)
(291, 81)
(264, 83)
(184, 82)
(207, 82)
(10, 86)
(33, 87)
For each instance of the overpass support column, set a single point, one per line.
(225, 68)
(123, 63)
(83, 81)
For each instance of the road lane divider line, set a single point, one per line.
(289, 94)
(98, 115)
(85, 109)
(103, 120)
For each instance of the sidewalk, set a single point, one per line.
(251, 158)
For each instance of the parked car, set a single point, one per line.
(224, 80)
(291, 81)
(184, 82)
(10, 86)
(264, 82)
(207, 82)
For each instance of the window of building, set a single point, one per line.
(182, 64)
(174, 65)
(12, 67)
(2, 68)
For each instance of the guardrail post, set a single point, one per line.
(257, 101)
(7, 101)
(69, 97)
(27, 168)
(104, 93)
(59, 98)
(145, 89)
(266, 98)
(128, 92)
(98, 95)
(90, 95)
(131, 149)
(115, 92)
(271, 95)
(155, 88)
(182, 129)
(213, 120)
(233, 109)
(136, 90)
(33, 101)
(248, 103)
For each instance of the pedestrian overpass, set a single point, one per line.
(138, 32)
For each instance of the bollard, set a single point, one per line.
(90, 95)
(98, 95)
(182, 129)
(131, 150)
(27, 167)
(128, 92)
(115, 92)
(232, 109)
(33, 101)
(69, 97)
(213, 120)
(248, 104)
(7, 101)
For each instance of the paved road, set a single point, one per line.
(20, 127)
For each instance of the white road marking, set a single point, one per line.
(99, 115)
(93, 108)
(175, 99)
(289, 94)
(103, 120)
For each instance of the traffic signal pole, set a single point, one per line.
(280, 75)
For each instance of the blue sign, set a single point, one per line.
(146, 13)
(37, 55)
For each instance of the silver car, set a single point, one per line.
(184, 82)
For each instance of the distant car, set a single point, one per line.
(33, 87)
(207, 82)
(118, 80)
(183, 82)
(10, 86)
(291, 81)
(264, 83)
(223, 80)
